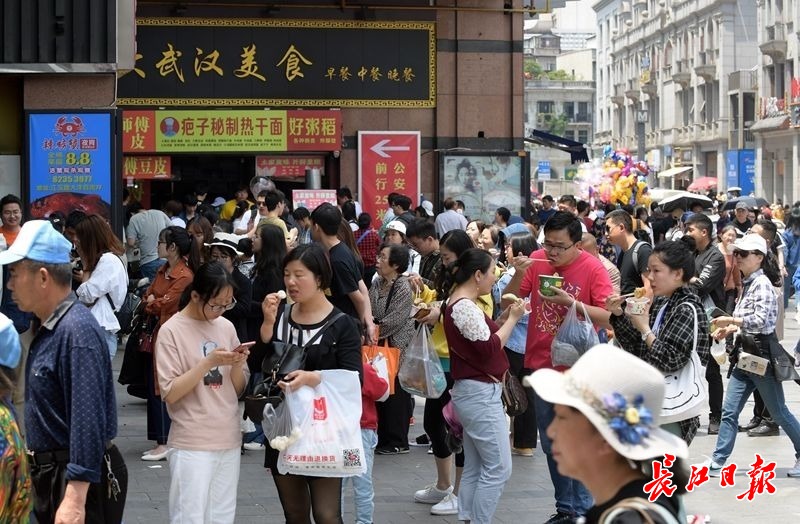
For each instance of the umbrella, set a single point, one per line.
(752, 203)
(703, 184)
(684, 200)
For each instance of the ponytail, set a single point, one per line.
(463, 268)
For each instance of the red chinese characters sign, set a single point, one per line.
(287, 166)
(388, 161)
(178, 131)
(311, 198)
(146, 167)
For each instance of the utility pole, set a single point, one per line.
(641, 120)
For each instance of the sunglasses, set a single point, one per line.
(743, 254)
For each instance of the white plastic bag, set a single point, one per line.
(328, 419)
(421, 372)
(574, 337)
(382, 369)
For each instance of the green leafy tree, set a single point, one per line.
(557, 124)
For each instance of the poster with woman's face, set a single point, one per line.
(485, 182)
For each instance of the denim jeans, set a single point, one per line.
(487, 450)
(149, 270)
(788, 287)
(363, 492)
(571, 496)
(740, 386)
(111, 341)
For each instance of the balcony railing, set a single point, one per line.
(582, 117)
(746, 80)
(775, 32)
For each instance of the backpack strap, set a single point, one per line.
(649, 512)
(364, 234)
(636, 247)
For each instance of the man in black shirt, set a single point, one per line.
(421, 236)
(708, 284)
(740, 221)
(635, 253)
(401, 206)
(348, 291)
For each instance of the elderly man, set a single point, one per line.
(70, 410)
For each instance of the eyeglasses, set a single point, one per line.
(610, 227)
(742, 254)
(556, 250)
(222, 307)
(161, 242)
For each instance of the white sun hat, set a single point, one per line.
(620, 394)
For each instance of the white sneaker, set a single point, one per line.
(253, 446)
(448, 506)
(431, 495)
(714, 469)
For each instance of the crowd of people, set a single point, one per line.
(226, 282)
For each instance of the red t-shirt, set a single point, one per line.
(585, 279)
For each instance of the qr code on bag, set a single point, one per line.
(352, 458)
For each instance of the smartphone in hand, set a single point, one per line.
(243, 346)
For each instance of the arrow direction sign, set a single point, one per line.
(380, 148)
(388, 161)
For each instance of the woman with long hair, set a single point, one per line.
(665, 337)
(474, 229)
(391, 300)
(306, 274)
(105, 275)
(754, 318)
(182, 253)
(345, 235)
(443, 494)
(266, 277)
(202, 231)
(523, 427)
(477, 363)
(202, 372)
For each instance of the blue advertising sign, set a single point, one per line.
(747, 171)
(70, 163)
(543, 171)
(732, 168)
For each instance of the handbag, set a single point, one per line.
(285, 358)
(390, 354)
(129, 312)
(685, 390)
(147, 335)
(513, 395)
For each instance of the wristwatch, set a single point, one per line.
(646, 334)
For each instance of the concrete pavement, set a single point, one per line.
(528, 497)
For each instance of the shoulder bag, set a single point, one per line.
(685, 390)
(129, 311)
(515, 400)
(645, 512)
(285, 358)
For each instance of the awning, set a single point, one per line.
(771, 123)
(576, 150)
(669, 173)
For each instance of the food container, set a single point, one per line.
(636, 306)
(548, 281)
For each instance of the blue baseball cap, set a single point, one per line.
(9, 343)
(39, 241)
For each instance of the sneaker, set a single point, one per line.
(430, 450)
(391, 450)
(522, 452)
(795, 471)
(714, 469)
(254, 446)
(430, 495)
(448, 506)
(421, 441)
(560, 518)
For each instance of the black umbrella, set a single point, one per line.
(752, 203)
(684, 200)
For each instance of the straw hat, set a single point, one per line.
(620, 394)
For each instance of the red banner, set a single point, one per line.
(311, 198)
(388, 161)
(287, 166)
(146, 167)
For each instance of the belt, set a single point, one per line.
(54, 456)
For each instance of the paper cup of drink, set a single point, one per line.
(546, 282)
(636, 306)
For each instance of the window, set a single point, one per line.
(545, 107)
(569, 110)
(569, 134)
(583, 136)
(583, 112)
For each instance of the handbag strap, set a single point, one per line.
(108, 295)
(365, 233)
(288, 311)
(696, 322)
(470, 364)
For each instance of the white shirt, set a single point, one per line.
(178, 221)
(110, 276)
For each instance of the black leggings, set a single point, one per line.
(301, 496)
(435, 426)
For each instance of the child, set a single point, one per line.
(374, 389)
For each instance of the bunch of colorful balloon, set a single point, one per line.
(624, 181)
